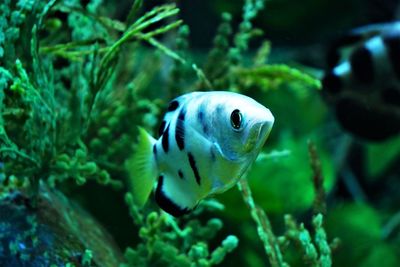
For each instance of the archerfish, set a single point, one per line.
(207, 141)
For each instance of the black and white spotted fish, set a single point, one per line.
(364, 83)
(207, 142)
(372, 61)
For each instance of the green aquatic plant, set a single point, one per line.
(164, 242)
(317, 250)
(55, 130)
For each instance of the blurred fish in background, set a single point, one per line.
(364, 85)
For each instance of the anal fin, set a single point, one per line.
(173, 196)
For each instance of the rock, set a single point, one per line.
(52, 231)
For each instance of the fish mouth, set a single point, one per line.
(263, 133)
(258, 136)
(256, 142)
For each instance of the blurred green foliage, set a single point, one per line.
(289, 21)
(381, 156)
(360, 229)
(287, 172)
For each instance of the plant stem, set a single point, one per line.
(264, 228)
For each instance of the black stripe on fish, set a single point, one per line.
(162, 128)
(212, 154)
(333, 56)
(164, 140)
(155, 150)
(173, 105)
(166, 203)
(219, 109)
(180, 130)
(201, 118)
(393, 44)
(180, 173)
(332, 83)
(362, 65)
(192, 163)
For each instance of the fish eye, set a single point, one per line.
(236, 119)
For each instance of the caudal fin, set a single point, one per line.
(142, 168)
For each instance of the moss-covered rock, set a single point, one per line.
(51, 231)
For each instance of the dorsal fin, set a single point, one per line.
(173, 108)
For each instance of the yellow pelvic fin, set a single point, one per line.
(142, 168)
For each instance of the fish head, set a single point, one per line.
(245, 125)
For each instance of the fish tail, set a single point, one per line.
(142, 168)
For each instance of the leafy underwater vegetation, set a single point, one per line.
(76, 83)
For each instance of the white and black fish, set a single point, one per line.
(207, 141)
(364, 83)
(373, 59)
